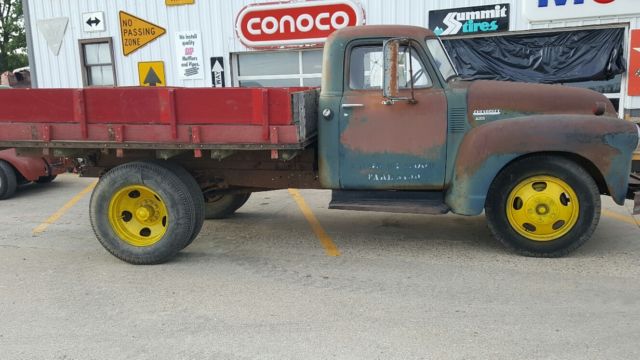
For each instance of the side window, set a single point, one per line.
(97, 62)
(366, 69)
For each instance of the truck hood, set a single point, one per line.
(495, 100)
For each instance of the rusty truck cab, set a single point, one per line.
(451, 136)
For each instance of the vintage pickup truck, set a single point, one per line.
(392, 129)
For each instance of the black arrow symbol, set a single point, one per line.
(94, 21)
(152, 79)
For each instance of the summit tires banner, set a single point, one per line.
(470, 20)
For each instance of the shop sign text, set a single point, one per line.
(470, 20)
(189, 55)
(299, 23)
(549, 10)
(136, 33)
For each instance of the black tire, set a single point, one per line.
(580, 182)
(46, 179)
(245, 198)
(8, 181)
(171, 191)
(194, 190)
(224, 206)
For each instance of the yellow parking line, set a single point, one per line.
(629, 219)
(58, 214)
(329, 246)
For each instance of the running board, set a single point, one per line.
(402, 202)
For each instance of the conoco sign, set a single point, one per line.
(295, 23)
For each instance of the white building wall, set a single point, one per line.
(215, 20)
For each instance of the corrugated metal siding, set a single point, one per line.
(216, 22)
(214, 19)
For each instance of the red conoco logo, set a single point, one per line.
(269, 25)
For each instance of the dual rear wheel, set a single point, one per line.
(146, 212)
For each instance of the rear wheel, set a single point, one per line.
(223, 206)
(196, 194)
(543, 206)
(142, 213)
(8, 180)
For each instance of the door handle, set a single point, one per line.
(351, 106)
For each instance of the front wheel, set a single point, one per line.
(543, 206)
(143, 213)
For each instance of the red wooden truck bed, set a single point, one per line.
(158, 118)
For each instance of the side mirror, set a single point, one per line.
(391, 50)
(391, 81)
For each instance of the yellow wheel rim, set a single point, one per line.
(543, 208)
(138, 216)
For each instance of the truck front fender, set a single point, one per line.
(608, 143)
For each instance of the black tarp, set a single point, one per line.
(555, 57)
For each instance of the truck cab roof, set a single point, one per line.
(380, 31)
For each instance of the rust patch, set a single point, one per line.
(536, 99)
(402, 128)
(582, 135)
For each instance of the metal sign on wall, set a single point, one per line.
(217, 72)
(189, 55)
(295, 23)
(179, 2)
(137, 32)
(634, 64)
(470, 20)
(545, 10)
(93, 22)
(152, 73)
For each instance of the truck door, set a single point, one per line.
(391, 146)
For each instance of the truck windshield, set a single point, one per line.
(442, 59)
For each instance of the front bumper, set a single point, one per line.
(636, 204)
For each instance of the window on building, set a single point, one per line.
(279, 68)
(97, 62)
(366, 69)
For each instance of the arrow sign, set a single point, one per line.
(637, 49)
(94, 21)
(152, 78)
(217, 71)
(151, 73)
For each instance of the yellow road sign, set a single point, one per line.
(179, 2)
(137, 33)
(152, 73)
